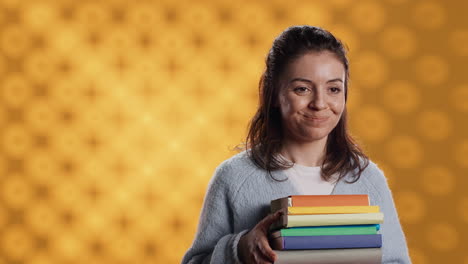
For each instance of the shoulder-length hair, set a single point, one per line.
(265, 135)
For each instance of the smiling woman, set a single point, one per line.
(311, 100)
(298, 143)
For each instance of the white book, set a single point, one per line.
(330, 256)
(329, 220)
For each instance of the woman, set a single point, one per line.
(297, 143)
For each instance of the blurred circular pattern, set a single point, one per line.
(15, 90)
(42, 219)
(369, 69)
(459, 97)
(16, 243)
(114, 115)
(312, 13)
(91, 14)
(40, 66)
(429, 14)
(340, 3)
(2, 65)
(41, 167)
(397, 1)
(368, 16)
(418, 256)
(39, 16)
(458, 39)
(40, 116)
(401, 96)
(435, 125)
(16, 140)
(16, 191)
(374, 117)
(3, 165)
(144, 15)
(3, 217)
(461, 153)
(14, 40)
(354, 99)
(442, 236)
(404, 151)
(463, 208)
(398, 42)
(438, 180)
(411, 206)
(431, 69)
(347, 35)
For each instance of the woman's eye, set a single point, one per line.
(335, 89)
(301, 89)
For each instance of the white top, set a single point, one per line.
(308, 180)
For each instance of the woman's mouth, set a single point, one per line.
(316, 119)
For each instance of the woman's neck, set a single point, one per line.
(309, 154)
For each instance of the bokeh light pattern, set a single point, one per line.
(114, 114)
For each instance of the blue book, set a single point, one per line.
(326, 242)
(377, 226)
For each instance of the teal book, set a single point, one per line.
(327, 230)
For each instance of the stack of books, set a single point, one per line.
(326, 229)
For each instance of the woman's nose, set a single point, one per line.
(318, 102)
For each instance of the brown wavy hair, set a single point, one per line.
(265, 133)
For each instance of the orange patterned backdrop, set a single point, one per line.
(114, 115)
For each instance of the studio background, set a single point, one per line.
(114, 115)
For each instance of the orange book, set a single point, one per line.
(320, 200)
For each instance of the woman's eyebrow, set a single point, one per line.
(309, 81)
(300, 79)
(335, 80)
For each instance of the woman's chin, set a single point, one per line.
(315, 136)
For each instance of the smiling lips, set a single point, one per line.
(316, 119)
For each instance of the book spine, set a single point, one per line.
(330, 256)
(331, 200)
(331, 219)
(329, 242)
(329, 230)
(333, 210)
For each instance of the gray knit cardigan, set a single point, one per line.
(239, 196)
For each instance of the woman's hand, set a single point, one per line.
(253, 246)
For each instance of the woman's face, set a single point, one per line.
(312, 96)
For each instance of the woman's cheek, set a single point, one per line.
(338, 106)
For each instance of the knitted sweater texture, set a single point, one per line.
(239, 195)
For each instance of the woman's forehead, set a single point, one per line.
(323, 66)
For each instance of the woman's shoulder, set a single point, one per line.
(370, 171)
(236, 169)
(374, 178)
(371, 176)
(238, 163)
(372, 181)
(373, 172)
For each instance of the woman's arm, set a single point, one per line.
(394, 246)
(215, 240)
